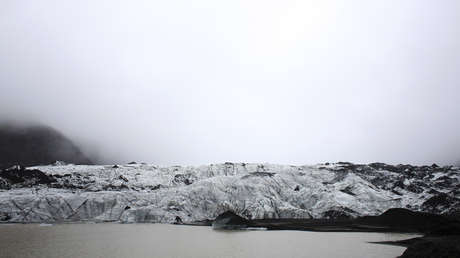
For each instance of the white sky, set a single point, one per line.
(195, 82)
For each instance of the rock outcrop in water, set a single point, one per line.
(229, 220)
(148, 193)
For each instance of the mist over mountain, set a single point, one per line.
(289, 82)
(35, 144)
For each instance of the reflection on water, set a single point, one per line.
(159, 240)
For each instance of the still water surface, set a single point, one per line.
(160, 240)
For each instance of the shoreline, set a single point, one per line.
(440, 235)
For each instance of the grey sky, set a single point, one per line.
(194, 82)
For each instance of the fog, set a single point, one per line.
(197, 82)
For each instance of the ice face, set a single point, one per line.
(149, 193)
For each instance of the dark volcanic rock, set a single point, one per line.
(178, 221)
(123, 178)
(112, 187)
(408, 221)
(4, 216)
(25, 177)
(339, 213)
(441, 203)
(348, 190)
(433, 247)
(383, 166)
(153, 188)
(259, 174)
(229, 220)
(4, 184)
(36, 145)
(186, 179)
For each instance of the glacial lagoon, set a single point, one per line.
(163, 240)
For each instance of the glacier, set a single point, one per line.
(134, 193)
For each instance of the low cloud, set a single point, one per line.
(202, 82)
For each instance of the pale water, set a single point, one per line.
(159, 240)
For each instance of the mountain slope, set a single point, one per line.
(36, 145)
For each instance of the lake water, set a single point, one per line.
(160, 240)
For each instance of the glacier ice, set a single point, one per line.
(148, 193)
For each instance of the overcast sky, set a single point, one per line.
(195, 82)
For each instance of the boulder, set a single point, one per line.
(230, 221)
